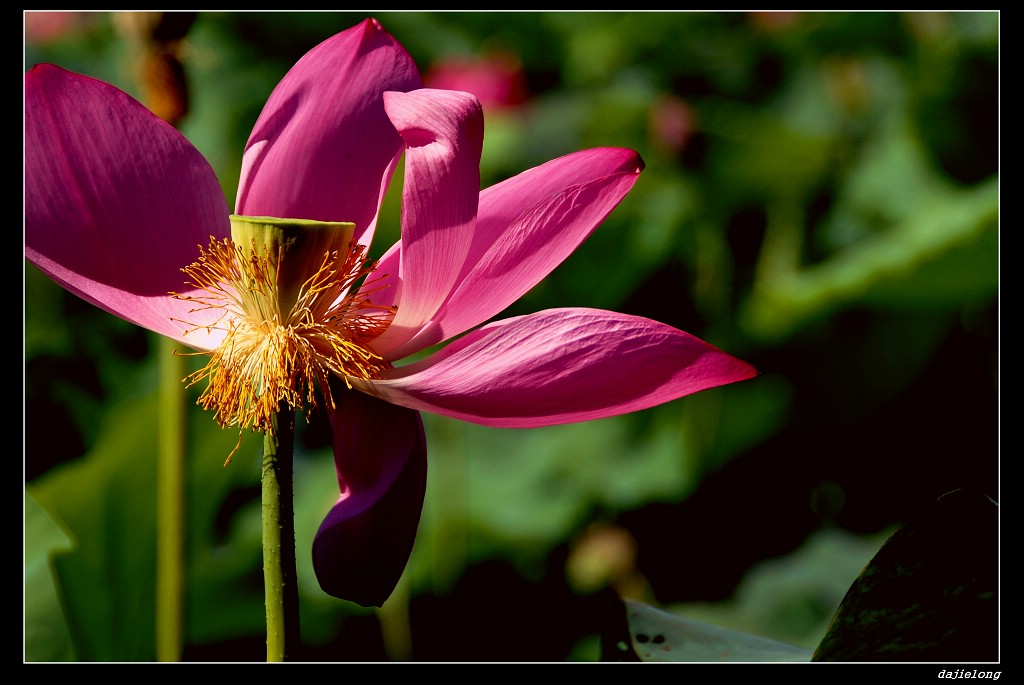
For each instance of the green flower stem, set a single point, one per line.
(279, 573)
(170, 503)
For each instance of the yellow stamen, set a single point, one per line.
(270, 357)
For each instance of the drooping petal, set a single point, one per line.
(559, 366)
(443, 133)
(526, 227)
(323, 147)
(116, 200)
(363, 545)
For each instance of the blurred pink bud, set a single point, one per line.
(496, 80)
(672, 122)
(773, 21)
(42, 28)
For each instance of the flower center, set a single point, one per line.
(291, 314)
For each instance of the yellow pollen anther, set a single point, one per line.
(290, 321)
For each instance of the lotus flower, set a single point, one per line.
(116, 201)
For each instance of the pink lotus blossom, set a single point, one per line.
(116, 201)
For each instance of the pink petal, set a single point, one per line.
(527, 226)
(443, 132)
(116, 200)
(323, 147)
(364, 543)
(560, 366)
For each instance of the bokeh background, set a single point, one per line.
(820, 199)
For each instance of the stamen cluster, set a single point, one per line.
(271, 358)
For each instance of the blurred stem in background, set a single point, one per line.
(156, 39)
(170, 503)
(396, 633)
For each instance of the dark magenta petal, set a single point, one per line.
(363, 545)
(323, 148)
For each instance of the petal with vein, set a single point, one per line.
(116, 200)
(443, 133)
(323, 148)
(560, 366)
(527, 226)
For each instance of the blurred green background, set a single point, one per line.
(820, 199)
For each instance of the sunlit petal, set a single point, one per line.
(527, 226)
(560, 366)
(116, 200)
(323, 148)
(443, 133)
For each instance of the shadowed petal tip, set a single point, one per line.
(361, 558)
(364, 543)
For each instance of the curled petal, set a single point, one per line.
(560, 366)
(380, 453)
(443, 132)
(526, 227)
(116, 200)
(323, 148)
